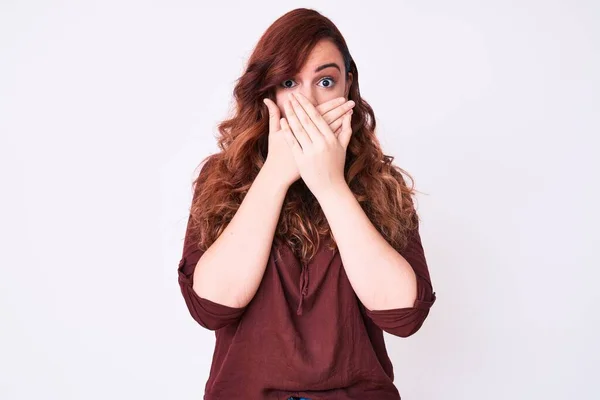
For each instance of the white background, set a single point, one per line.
(108, 107)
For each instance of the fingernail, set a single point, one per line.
(351, 103)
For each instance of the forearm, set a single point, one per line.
(380, 276)
(231, 269)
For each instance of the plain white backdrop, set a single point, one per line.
(108, 107)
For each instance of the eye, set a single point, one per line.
(328, 82)
(287, 83)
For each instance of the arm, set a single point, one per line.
(220, 282)
(397, 285)
(231, 269)
(217, 288)
(394, 288)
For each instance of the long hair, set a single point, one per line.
(377, 184)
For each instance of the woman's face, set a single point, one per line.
(321, 79)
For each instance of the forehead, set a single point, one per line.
(324, 52)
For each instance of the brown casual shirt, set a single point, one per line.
(305, 333)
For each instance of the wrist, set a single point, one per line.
(333, 192)
(273, 177)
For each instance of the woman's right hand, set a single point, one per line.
(280, 158)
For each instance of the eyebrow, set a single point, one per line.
(327, 66)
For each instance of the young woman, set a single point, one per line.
(302, 244)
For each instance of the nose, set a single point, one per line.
(309, 93)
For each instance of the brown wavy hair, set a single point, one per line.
(225, 178)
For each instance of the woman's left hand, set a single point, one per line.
(319, 154)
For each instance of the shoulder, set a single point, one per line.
(207, 163)
(206, 167)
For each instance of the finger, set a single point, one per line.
(284, 124)
(285, 128)
(302, 113)
(274, 115)
(330, 105)
(337, 124)
(296, 127)
(290, 139)
(346, 133)
(311, 118)
(338, 112)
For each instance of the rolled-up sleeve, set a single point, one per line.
(207, 313)
(406, 321)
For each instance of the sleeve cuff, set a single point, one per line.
(207, 313)
(405, 321)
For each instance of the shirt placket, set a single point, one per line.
(303, 287)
